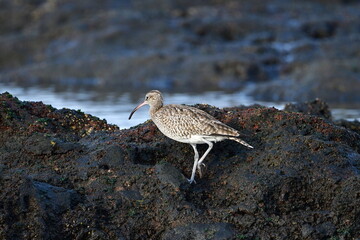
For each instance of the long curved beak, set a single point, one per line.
(139, 106)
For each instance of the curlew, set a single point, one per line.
(188, 125)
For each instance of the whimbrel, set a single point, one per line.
(188, 125)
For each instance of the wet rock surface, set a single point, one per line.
(293, 50)
(74, 176)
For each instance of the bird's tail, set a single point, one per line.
(241, 142)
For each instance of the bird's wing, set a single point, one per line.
(185, 121)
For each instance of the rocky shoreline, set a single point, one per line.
(68, 175)
(292, 50)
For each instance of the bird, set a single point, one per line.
(188, 124)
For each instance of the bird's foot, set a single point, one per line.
(192, 181)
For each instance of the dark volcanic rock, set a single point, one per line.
(43, 205)
(334, 81)
(320, 30)
(200, 231)
(351, 125)
(168, 174)
(317, 108)
(61, 180)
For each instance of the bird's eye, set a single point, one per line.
(147, 98)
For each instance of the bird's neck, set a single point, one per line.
(154, 108)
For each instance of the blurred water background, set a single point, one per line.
(116, 108)
(103, 56)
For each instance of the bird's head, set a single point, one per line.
(153, 99)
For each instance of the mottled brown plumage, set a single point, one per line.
(188, 125)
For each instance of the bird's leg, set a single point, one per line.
(203, 156)
(196, 159)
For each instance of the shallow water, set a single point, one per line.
(116, 108)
